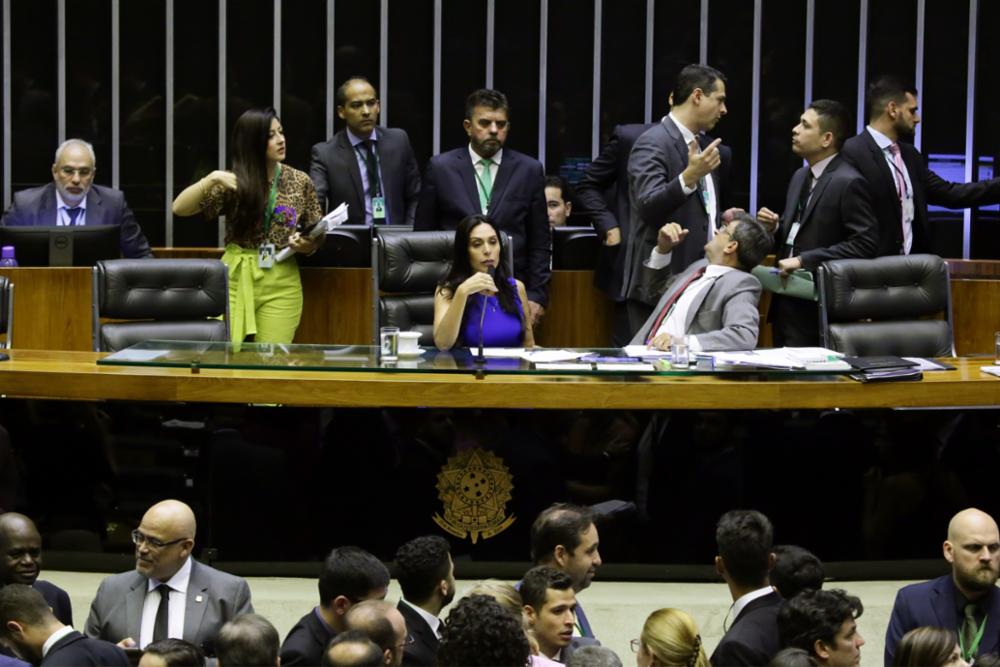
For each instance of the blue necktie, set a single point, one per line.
(74, 214)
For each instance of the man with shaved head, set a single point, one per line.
(21, 563)
(169, 594)
(965, 601)
(383, 624)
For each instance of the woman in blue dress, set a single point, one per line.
(478, 280)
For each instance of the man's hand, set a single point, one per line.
(768, 218)
(536, 312)
(128, 642)
(613, 237)
(788, 265)
(701, 163)
(669, 236)
(662, 342)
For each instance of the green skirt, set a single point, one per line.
(264, 302)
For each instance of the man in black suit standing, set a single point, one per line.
(28, 624)
(21, 563)
(606, 178)
(508, 186)
(371, 168)
(744, 538)
(828, 215)
(426, 574)
(898, 181)
(676, 175)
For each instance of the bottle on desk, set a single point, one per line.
(7, 257)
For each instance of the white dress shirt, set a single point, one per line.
(62, 216)
(713, 202)
(906, 203)
(175, 609)
(494, 168)
(674, 324)
(428, 617)
(359, 152)
(54, 637)
(744, 600)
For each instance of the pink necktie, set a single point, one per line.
(897, 159)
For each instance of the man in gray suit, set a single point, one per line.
(371, 168)
(676, 174)
(169, 594)
(713, 304)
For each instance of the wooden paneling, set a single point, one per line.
(75, 375)
(579, 315)
(51, 308)
(337, 307)
(975, 306)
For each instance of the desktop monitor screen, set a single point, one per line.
(62, 246)
(346, 246)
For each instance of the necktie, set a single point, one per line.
(804, 195)
(969, 627)
(671, 301)
(897, 161)
(74, 214)
(374, 185)
(161, 627)
(485, 184)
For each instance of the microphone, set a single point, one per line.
(481, 358)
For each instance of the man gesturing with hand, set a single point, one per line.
(677, 174)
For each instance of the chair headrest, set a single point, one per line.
(885, 288)
(161, 289)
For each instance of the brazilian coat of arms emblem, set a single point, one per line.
(474, 486)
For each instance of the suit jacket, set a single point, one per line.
(934, 603)
(75, 650)
(306, 641)
(58, 600)
(335, 172)
(753, 637)
(837, 222)
(656, 197)
(423, 651)
(724, 316)
(213, 597)
(928, 188)
(602, 196)
(449, 194)
(105, 206)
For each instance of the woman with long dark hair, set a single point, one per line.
(929, 647)
(478, 281)
(266, 205)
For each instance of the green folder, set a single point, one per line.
(799, 284)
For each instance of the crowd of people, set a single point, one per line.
(676, 256)
(173, 610)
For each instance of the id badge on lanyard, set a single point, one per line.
(378, 208)
(266, 251)
(265, 256)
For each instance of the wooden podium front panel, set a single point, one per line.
(52, 308)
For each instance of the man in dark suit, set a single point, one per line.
(713, 304)
(27, 623)
(828, 215)
(967, 600)
(21, 563)
(744, 538)
(248, 639)
(508, 186)
(169, 593)
(384, 625)
(426, 574)
(371, 168)
(349, 575)
(606, 181)
(73, 199)
(676, 175)
(898, 181)
(824, 624)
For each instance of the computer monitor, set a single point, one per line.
(575, 248)
(346, 246)
(62, 246)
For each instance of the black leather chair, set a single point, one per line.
(6, 312)
(886, 306)
(406, 268)
(172, 299)
(575, 248)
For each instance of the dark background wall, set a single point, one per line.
(129, 91)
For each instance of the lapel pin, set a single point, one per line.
(198, 598)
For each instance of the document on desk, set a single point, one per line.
(991, 370)
(807, 358)
(644, 352)
(551, 356)
(503, 352)
(562, 366)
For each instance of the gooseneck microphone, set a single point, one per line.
(481, 358)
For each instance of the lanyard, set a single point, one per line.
(375, 188)
(271, 199)
(970, 652)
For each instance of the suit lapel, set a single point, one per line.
(95, 208)
(942, 603)
(386, 171)
(792, 201)
(817, 193)
(467, 173)
(881, 167)
(504, 172)
(195, 602)
(133, 607)
(696, 304)
(350, 159)
(678, 139)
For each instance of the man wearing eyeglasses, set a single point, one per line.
(72, 199)
(169, 594)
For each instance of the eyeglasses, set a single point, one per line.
(634, 645)
(138, 538)
(84, 172)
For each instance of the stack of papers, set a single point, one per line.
(337, 216)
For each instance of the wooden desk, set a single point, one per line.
(75, 375)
